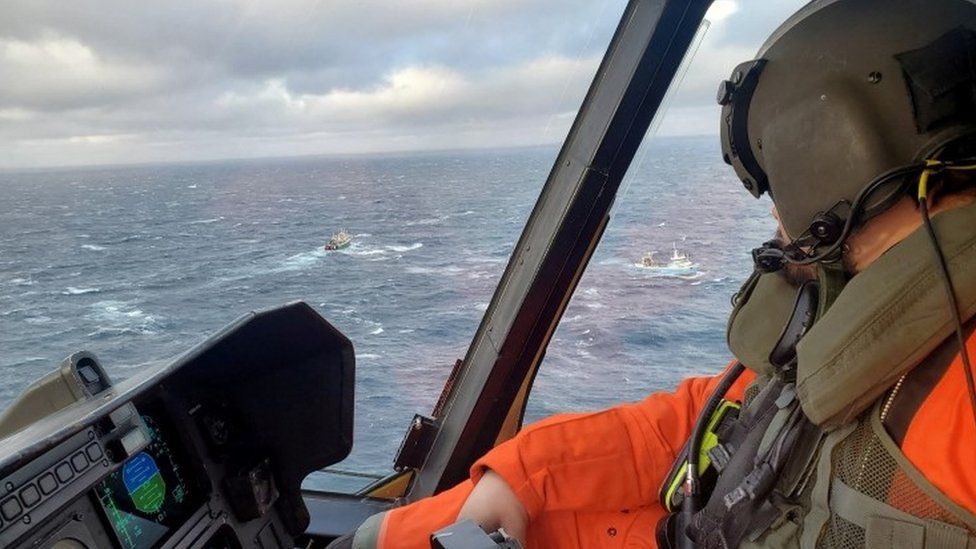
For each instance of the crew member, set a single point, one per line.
(853, 423)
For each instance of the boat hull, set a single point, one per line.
(330, 247)
(669, 271)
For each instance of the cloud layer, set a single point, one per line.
(103, 82)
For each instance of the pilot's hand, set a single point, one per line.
(493, 505)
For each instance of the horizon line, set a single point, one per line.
(364, 154)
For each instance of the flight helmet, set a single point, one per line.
(842, 92)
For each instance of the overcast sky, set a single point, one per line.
(97, 82)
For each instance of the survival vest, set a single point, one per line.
(813, 460)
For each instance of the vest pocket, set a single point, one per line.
(889, 533)
(886, 533)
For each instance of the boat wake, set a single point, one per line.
(655, 272)
(361, 250)
(301, 261)
(409, 248)
(356, 249)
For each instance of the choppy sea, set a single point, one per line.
(139, 263)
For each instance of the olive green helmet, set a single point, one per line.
(844, 91)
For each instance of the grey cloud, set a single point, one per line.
(98, 81)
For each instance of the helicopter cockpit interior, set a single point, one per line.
(187, 454)
(210, 450)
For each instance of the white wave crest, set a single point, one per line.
(122, 317)
(71, 290)
(428, 221)
(414, 246)
(449, 270)
(301, 261)
(93, 247)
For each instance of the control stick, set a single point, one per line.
(468, 535)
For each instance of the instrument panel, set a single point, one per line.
(155, 491)
(208, 451)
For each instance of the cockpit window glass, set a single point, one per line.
(651, 308)
(170, 169)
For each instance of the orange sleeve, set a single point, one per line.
(604, 461)
(610, 460)
(410, 527)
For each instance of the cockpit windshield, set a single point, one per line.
(379, 163)
(652, 307)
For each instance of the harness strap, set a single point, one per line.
(819, 514)
(889, 528)
(744, 503)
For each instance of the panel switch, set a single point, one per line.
(48, 483)
(64, 472)
(10, 508)
(30, 496)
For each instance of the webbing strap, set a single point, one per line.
(856, 507)
(819, 512)
(939, 535)
(886, 527)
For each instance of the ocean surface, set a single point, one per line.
(140, 263)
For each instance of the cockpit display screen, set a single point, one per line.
(153, 492)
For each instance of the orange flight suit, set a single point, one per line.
(592, 480)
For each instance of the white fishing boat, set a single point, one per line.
(679, 264)
(340, 240)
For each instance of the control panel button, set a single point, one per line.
(64, 472)
(133, 441)
(79, 462)
(94, 451)
(48, 483)
(30, 495)
(121, 415)
(10, 508)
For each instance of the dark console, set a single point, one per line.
(206, 451)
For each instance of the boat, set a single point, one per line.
(679, 264)
(339, 240)
(648, 261)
